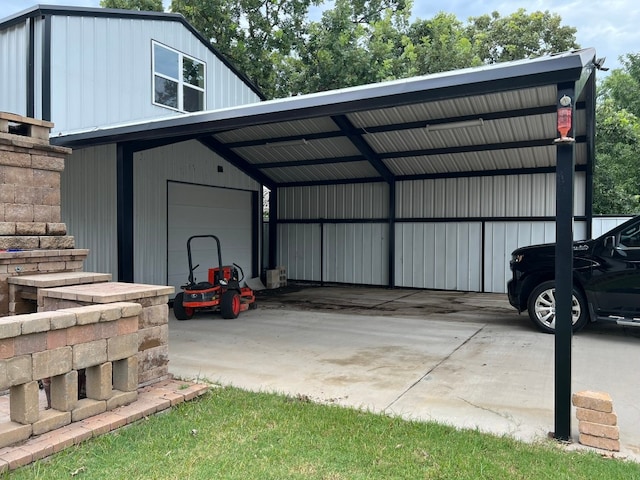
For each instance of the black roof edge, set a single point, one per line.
(546, 70)
(38, 10)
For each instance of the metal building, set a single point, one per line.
(427, 182)
(89, 68)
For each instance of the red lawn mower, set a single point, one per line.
(221, 292)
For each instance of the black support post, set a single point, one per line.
(564, 276)
(124, 167)
(273, 228)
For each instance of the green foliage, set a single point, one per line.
(257, 36)
(617, 168)
(233, 434)
(140, 5)
(519, 35)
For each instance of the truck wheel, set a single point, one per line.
(542, 308)
(230, 304)
(180, 311)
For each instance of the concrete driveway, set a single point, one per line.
(464, 359)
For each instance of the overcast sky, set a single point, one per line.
(612, 28)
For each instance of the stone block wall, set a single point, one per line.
(54, 346)
(31, 262)
(153, 321)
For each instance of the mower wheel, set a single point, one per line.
(179, 310)
(230, 304)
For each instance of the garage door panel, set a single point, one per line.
(202, 210)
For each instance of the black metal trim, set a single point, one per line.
(46, 69)
(236, 160)
(391, 255)
(303, 221)
(590, 93)
(125, 212)
(39, 10)
(31, 70)
(501, 77)
(363, 147)
(256, 226)
(273, 228)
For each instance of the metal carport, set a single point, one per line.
(390, 157)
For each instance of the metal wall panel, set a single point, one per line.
(353, 201)
(299, 250)
(356, 253)
(188, 162)
(497, 196)
(444, 256)
(502, 238)
(13, 69)
(101, 71)
(602, 225)
(89, 205)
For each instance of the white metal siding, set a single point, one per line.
(101, 71)
(13, 69)
(355, 201)
(602, 225)
(188, 162)
(439, 255)
(89, 205)
(502, 238)
(356, 253)
(299, 251)
(495, 196)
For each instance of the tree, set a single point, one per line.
(519, 35)
(255, 35)
(140, 5)
(617, 166)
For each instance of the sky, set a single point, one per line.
(612, 28)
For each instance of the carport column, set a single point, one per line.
(124, 168)
(273, 228)
(565, 160)
(392, 234)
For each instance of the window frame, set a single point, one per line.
(181, 84)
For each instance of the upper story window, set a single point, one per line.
(178, 80)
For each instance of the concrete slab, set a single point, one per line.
(464, 359)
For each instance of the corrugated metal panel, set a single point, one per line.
(299, 251)
(602, 225)
(332, 171)
(439, 255)
(282, 129)
(474, 161)
(13, 69)
(89, 205)
(101, 71)
(353, 201)
(308, 150)
(532, 127)
(188, 162)
(499, 196)
(502, 238)
(356, 253)
(495, 102)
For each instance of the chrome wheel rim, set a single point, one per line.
(545, 308)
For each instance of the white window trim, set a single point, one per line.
(180, 80)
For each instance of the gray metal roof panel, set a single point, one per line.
(318, 173)
(507, 76)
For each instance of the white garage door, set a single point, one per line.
(202, 210)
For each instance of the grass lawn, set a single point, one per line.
(233, 434)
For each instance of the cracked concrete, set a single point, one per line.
(465, 359)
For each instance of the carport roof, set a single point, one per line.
(488, 120)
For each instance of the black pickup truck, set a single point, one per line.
(606, 279)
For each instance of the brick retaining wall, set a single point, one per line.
(102, 340)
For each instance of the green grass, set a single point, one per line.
(234, 434)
